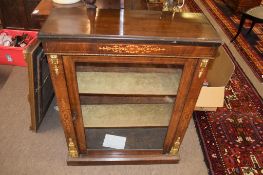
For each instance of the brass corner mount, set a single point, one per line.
(176, 146)
(72, 149)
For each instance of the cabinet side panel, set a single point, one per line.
(40, 86)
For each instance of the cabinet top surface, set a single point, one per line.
(139, 25)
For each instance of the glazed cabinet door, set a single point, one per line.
(128, 105)
(40, 86)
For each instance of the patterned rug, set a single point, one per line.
(232, 137)
(250, 46)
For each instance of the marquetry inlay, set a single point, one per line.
(131, 49)
(54, 62)
(65, 112)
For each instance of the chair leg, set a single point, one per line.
(243, 18)
(251, 27)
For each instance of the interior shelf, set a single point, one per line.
(136, 138)
(136, 83)
(126, 115)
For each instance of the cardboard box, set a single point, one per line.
(218, 75)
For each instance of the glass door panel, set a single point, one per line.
(129, 102)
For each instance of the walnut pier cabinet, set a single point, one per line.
(126, 82)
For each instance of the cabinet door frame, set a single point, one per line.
(184, 86)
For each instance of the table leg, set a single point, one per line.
(251, 27)
(243, 18)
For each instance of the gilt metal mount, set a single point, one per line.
(72, 149)
(54, 62)
(176, 146)
(203, 65)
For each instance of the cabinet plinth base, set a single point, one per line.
(84, 160)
